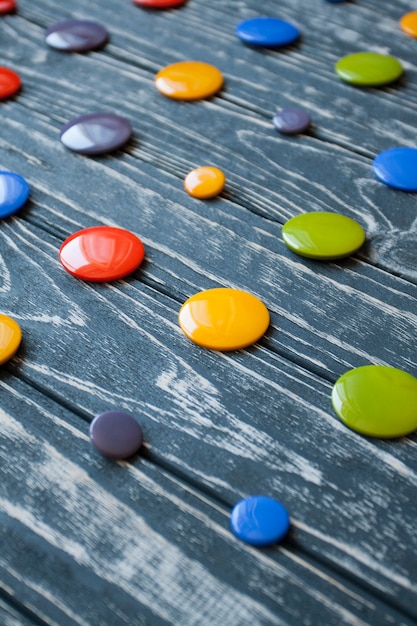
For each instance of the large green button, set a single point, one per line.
(323, 236)
(378, 401)
(369, 69)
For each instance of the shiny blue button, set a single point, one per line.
(268, 32)
(260, 520)
(397, 167)
(14, 191)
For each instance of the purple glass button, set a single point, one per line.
(291, 121)
(96, 133)
(116, 434)
(76, 36)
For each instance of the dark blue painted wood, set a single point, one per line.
(217, 427)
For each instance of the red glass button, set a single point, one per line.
(159, 4)
(7, 6)
(9, 83)
(101, 253)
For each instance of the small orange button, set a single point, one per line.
(204, 182)
(189, 80)
(408, 23)
(10, 337)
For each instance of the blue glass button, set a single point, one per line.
(96, 133)
(291, 121)
(14, 191)
(397, 167)
(116, 434)
(260, 521)
(76, 36)
(268, 32)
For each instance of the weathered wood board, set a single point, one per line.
(217, 426)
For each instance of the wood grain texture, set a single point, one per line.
(229, 425)
(116, 543)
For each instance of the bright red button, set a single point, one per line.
(9, 83)
(159, 4)
(7, 6)
(101, 253)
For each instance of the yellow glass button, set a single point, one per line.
(204, 182)
(408, 23)
(189, 80)
(223, 319)
(10, 338)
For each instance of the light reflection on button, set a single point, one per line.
(223, 319)
(101, 253)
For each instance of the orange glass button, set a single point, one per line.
(204, 182)
(408, 23)
(10, 338)
(101, 253)
(223, 319)
(189, 80)
(9, 83)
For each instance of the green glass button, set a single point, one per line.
(369, 69)
(323, 236)
(378, 401)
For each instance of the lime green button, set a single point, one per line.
(369, 69)
(378, 401)
(323, 236)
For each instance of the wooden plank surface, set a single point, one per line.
(217, 427)
(87, 541)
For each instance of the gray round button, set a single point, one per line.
(116, 434)
(291, 121)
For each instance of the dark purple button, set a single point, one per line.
(76, 36)
(116, 434)
(96, 133)
(291, 121)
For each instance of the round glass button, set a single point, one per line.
(408, 23)
(369, 69)
(116, 434)
(76, 36)
(267, 32)
(14, 192)
(189, 80)
(101, 253)
(397, 168)
(291, 121)
(10, 83)
(10, 338)
(205, 182)
(159, 4)
(323, 236)
(223, 319)
(96, 133)
(260, 521)
(377, 401)
(7, 6)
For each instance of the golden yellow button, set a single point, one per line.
(189, 80)
(204, 182)
(408, 23)
(10, 338)
(223, 319)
